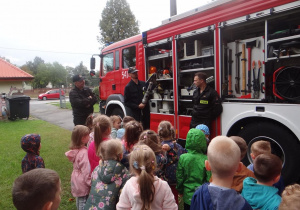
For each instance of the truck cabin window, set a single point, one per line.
(108, 63)
(128, 57)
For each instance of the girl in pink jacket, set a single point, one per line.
(145, 191)
(78, 155)
(102, 129)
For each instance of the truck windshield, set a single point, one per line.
(108, 63)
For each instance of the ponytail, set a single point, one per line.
(143, 163)
(102, 124)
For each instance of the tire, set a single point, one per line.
(118, 111)
(44, 98)
(283, 143)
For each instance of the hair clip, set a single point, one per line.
(142, 168)
(135, 164)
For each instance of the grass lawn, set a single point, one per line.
(68, 106)
(55, 142)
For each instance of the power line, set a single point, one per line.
(46, 51)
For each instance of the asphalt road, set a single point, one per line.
(52, 114)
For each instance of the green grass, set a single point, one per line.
(68, 106)
(55, 142)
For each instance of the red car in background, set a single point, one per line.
(51, 94)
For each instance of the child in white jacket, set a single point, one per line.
(78, 155)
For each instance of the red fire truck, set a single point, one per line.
(250, 49)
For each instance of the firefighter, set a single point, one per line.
(206, 102)
(133, 96)
(82, 100)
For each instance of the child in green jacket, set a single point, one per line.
(191, 171)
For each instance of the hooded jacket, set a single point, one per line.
(163, 198)
(30, 143)
(191, 171)
(80, 178)
(108, 179)
(216, 198)
(259, 196)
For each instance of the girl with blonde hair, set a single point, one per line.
(145, 191)
(78, 155)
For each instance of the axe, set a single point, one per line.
(249, 46)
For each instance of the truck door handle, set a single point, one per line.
(114, 86)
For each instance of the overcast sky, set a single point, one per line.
(66, 30)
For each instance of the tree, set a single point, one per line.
(118, 22)
(33, 66)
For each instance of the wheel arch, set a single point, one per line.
(239, 125)
(115, 101)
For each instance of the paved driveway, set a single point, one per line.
(52, 114)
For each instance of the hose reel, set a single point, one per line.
(286, 83)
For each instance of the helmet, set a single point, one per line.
(152, 70)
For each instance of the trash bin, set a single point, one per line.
(17, 107)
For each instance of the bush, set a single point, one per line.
(96, 92)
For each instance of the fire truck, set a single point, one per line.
(250, 50)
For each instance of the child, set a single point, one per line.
(191, 172)
(259, 192)
(257, 148)
(108, 178)
(223, 156)
(174, 150)
(102, 130)
(264, 147)
(205, 130)
(90, 123)
(133, 130)
(144, 190)
(78, 155)
(31, 143)
(116, 124)
(37, 189)
(121, 131)
(149, 138)
(290, 198)
(239, 176)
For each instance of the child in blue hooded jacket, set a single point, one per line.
(260, 192)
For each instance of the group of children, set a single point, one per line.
(126, 167)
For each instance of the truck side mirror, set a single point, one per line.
(92, 63)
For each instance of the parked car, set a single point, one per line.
(51, 94)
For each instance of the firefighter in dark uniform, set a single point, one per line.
(206, 102)
(82, 100)
(133, 96)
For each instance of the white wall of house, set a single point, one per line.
(6, 85)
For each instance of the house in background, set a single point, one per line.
(12, 77)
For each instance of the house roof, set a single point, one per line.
(9, 72)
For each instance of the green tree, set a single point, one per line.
(118, 22)
(42, 77)
(58, 74)
(33, 66)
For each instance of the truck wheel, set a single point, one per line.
(118, 111)
(283, 143)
